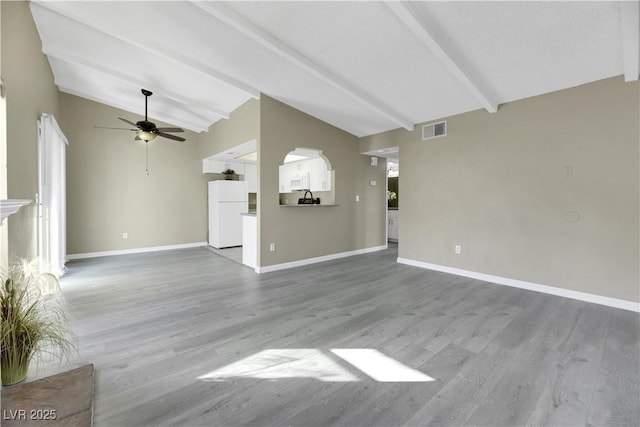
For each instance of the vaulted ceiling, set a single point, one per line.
(365, 67)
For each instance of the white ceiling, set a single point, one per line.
(232, 154)
(365, 67)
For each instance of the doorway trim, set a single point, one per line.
(51, 198)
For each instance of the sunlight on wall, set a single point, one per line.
(275, 364)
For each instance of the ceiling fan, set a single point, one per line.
(145, 130)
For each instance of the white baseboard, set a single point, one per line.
(135, 250)
(567, 293)
(307, 261)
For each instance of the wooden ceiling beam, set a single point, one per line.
(159, 92)
(67, 9)
(195, 127)
(427, 34)
(268, 41)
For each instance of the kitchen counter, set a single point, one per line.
(306, 206)
(250, 239)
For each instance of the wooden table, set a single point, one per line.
(65, 399)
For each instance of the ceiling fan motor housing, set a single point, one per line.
(146, 130)
(146, 126)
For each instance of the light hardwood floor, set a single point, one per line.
(154, 323)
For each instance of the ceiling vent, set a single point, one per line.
(434, 130)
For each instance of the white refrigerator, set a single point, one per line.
(227, 201)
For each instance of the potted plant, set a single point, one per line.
(229, 174)
(33, 322)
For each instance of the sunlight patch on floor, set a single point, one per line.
(380, 367)
(284, 363)
(274, 364)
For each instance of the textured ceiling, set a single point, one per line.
(365, 67)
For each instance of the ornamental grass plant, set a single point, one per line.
(33, 324)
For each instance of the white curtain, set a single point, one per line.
(52, 203)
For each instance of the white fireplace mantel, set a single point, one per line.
(11, 206)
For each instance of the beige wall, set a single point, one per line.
(4, 237)
(30, 91)
(508, 187)
(301, 233)
(109, 192)
(243, 125)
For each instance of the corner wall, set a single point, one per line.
(303, 233)
(546, 190)
(30, 91)
(242, 125)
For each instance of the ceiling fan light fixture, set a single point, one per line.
(146, 136)
(148, 131)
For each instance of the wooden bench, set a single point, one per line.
(64, 399)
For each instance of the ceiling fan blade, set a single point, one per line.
(127, 121)
(170, 129)
(169, 136)
(107, 127)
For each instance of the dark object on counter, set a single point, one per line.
(310, 200)
(229, 174)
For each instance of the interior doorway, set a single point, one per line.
(392, 155)
(52, 200)
(393, 199)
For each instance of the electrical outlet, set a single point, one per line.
(357, 197)
(125, 235)
(458, 249)
(372, 183)
(272, 247)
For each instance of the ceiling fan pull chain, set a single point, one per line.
(146, 145)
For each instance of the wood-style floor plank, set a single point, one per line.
(569, 390)
(616, 396)
(153, 324)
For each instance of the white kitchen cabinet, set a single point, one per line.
(392, 227)
(305, 174)
(237, 167)
(285, 178)
(319, 175)
(294, 176)
(212, 166)
(251, 176)
(217, 166)
(300, 167)
(299, 177)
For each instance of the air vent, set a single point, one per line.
(434, 130)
